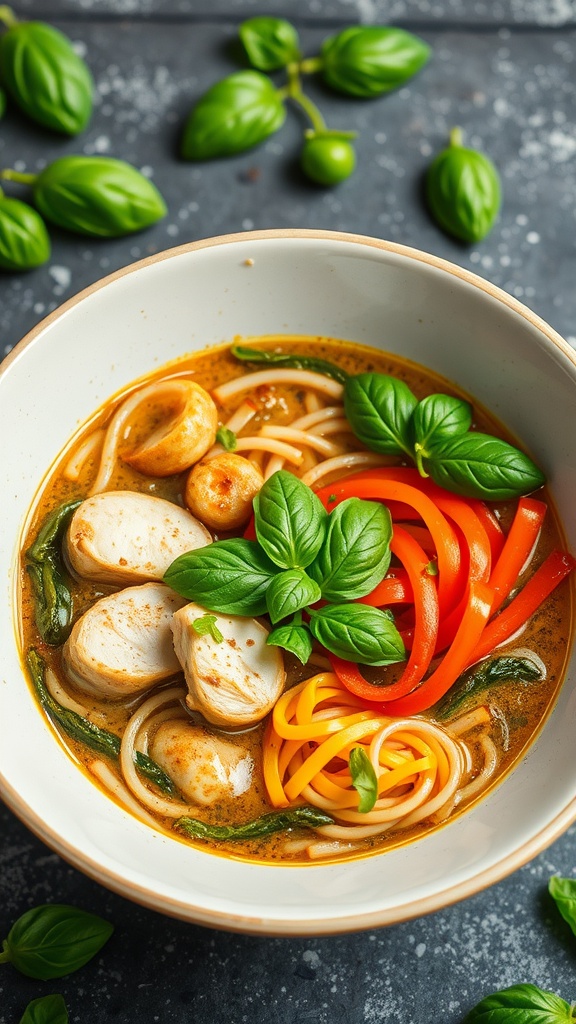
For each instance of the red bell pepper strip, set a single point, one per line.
(553, 570)
(415, 561)
(520, 542)
(393, 589)
(456, 659)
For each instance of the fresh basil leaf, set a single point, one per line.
(265, 825)
(97, 195)
(24, 240)
(53, 606)
(290, 592)
(205, 625)
(266, 356)
(290, 521)
(563, 892)
(293, 637)
(234, 115)
(46, 1010)
(270, 43)
(480, 466)
(227, 438)
(357, 633)
(463, 191)
(499, 670)
(46, 77)
(520, 1004)
(363, 779)
(229, 576)
(53, 940)
(356, 552)
(440, 416)
(379, 409)
(370, 60)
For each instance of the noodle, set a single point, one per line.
(268, 378)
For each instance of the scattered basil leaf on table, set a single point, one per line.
(363, 779)
(24, 240)
(290, 521)
(521, 1004)
(371, 60)
(293, 637)
(290, 592)
(463, 191)
(46, 1010)
(380, 408)
(93, 195)
(234, 115)
(355, 556)
(270, 43)
(563, 892)
(229, 576)
(357, 633)
(45, 565)
(44, 75)
(266, 357)
(502, 669)
(266, 825)
(328, 157)
(53, 940)
(477, 465)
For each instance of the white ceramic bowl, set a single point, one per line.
(302, 282)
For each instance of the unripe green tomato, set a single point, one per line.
(327, 159)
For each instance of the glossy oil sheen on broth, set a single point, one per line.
(509, 716)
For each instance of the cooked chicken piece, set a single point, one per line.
(184, 437)
(220, 490)
(123, 643)
(205, 767)
(123, 537)
(233, 682)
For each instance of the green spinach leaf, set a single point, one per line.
(502, 669)
(265, 825)
(265, 357)
(45, 564)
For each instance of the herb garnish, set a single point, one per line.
(53, 940)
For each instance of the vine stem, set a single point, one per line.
(7, 16)
(311, 65)
(293, 90)
(25, 179)
(456, 137)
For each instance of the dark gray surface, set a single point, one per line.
(507, 73)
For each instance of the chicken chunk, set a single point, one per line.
(205, 767)
(234, 682)
(123, 644)
(124, 537)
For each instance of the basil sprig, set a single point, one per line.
(53, 940)
(234, 115)
(435, 433)
(521, 1004)
(363, 779)
(46, 1010)
(563, 892)
(270, 43)
(367, 61)
(463, 191)
(44, 75)
(302, 554)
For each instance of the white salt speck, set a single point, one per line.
(247, 224)
(146, 171)
(505, 261)
(425, 149)
(420, 949)
(62, 276)
(312, 958)
(533, 237)
(380, 137)
(79, 47)
(522, 219)
(39, 307)
(172, 230)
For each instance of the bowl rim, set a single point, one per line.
(131, 889)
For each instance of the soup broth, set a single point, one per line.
(203, 754)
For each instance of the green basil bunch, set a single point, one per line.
(435, 433)
(301, 555)
(235, 114)
(368, 61)
(54, 940)
(46, 1010)
(463, 191)
(24, 240)
(269, 43)
(94, 195)
(44, 75)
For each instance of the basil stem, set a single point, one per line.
(46, 1010)
(101, 741)
(52, 597)
(53, 940)
(258, 828)
(265, 357)
(499, 670)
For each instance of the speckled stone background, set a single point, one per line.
(505, 71)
